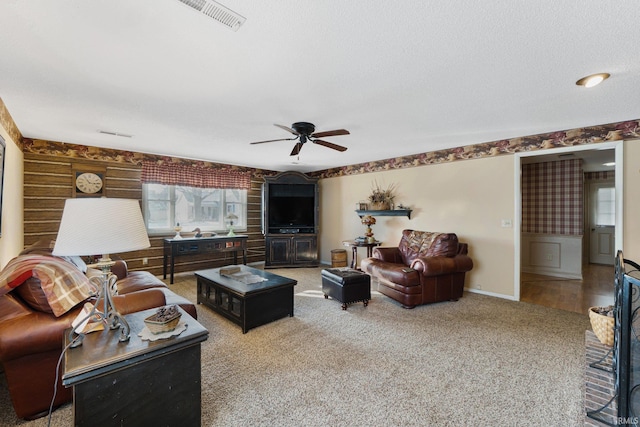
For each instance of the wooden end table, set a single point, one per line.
(137, 382)
(354, 250)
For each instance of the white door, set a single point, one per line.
(602, 196)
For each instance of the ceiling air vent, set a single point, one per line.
(217, 12)
(108, 132)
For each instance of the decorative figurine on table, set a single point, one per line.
(198, 233)
(368, 220)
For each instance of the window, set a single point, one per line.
(206, 208)
(605, 206)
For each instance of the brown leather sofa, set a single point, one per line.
(31, 338)
(425, 268)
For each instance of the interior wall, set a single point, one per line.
(631, 196)
(471, 198)
(552, 197)
(11, 239)
(552, 218)
(49, 181)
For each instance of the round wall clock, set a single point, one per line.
(89, 183)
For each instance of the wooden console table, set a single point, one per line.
(137, 382)
(174, 248)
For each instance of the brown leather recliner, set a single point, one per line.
(31, 337)
(426, 267)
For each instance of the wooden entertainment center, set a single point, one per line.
(290, 222)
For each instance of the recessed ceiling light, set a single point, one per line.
(592, 80)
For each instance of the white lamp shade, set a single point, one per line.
(97, 226)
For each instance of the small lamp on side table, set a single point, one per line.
(231, 217)
(101, 226)
(369, 220)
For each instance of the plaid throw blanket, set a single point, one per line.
(63, 284)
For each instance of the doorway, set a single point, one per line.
(596, 286)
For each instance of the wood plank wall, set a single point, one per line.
(49, 181)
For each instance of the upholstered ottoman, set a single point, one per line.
(346, 285)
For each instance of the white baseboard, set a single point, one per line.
(491, 294)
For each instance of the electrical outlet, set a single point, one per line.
(145, 261)
(549, 257)
(506, 223)
(478, 286)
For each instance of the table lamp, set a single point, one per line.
(230, 218)
(368, 220)
(101, 226)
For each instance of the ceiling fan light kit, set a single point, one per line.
(305, 131)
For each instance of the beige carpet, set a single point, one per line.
(480, 361)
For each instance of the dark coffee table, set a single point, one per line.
(248, 305)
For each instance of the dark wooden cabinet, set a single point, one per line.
(290, 222)
(278, 250)
(296, 250)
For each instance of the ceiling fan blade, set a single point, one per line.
(329, 145)
(296, 149)
(330, 133)
(273, 140)
(288, 129)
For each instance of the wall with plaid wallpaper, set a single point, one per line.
(552, 197)
(600, 176)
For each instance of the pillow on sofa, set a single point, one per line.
(31, 292)
(63, 285)
(45, 247)
(77, 261)
(425, 243)
(446, 244)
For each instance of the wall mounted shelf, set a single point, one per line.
(395, 212)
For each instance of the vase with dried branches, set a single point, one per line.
(381, 198)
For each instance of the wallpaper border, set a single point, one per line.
(566, 138)
(54, 148)
(6, 121)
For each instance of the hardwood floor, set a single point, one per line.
(595, 289)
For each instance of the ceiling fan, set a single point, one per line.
(304, 132)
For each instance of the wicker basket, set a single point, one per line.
(379, 206)
(156, 327)
(602, 325)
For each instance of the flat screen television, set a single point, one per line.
(291, 208)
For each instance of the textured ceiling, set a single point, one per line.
(403, 77)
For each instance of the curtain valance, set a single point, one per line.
(194, 175)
